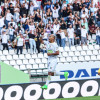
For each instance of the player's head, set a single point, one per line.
(51, 38)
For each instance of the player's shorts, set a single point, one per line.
(52, 65)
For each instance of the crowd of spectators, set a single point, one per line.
(24, 22)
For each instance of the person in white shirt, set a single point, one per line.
(56, 27)
(1, 23)
(11, 33)
(63, 38)
(84, 16)
(0, 10)
(55, 11)
(98, 35)
(70, 32)
(8, 18)
(20, 43)
(84, 35)
(4, 40)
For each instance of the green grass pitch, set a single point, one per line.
(80, 98)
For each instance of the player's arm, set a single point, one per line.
(56, 53)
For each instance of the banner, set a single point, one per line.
(79, 70)
(64, 89)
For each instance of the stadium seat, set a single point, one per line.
(25, 62)
(73, 48)
(17, 67)
(5, 52)
(81, 58)
(65, 54)
(24, 51)
(35, 66)
(89, 37)
(89, 52)
(15, 57)
(31, 61)
(34, 56)
(87, 58)
(91, 47)
(77, 53)
(83, 53)
(29, 66)
(95, 52)
(0, 52)
(40, 55)
(22, 67)
(75, 59)
(41, 66)
(96, 47)
(98, 57)
(71, 53)
(67, 48)
(69, 59)
(44, 60)
(79, 48)
(93, 36)
(38, 61)
(62, 59)
(9, 57)
(60, 55)
(12, 62)
(28, 56)
(58, 60)
(61, 49)
(11, 52)
(7, 62)
(85, 47)
(2, 58)
(19, 62)
(93, 58)
(21, 56)
(39, 72)
(45, 55)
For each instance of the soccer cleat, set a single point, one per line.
(44, 87)
(66, 75)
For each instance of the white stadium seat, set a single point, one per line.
(5, 52)
(75, 59)
(87, 58)
(61, 49)
(73, 48)
(29, 66)
(7, 62)
(89, 52)
(45, 55)
(12, 62)
(22, 67)
(24, 51)
(15, 57)
(9, 57)
(69, 59)
(77, 53)
(81, 58)
(60, 55)
(96, 47)
(44, 60)
(89, 37)
(35, 66)
(91, 47)
(19, 62)
(0, 52)
(40, 55)
(11, 52)
(93, 36)
(93, 58)
(16, 66)
(28, 56)
(67, 48)
(85, 47)
(21, 56)
(2, 57)
(65, 54)
(41, 66)
(62, 59)
(34, 56)
(25, 62)
(95, 52)
(79, 48)
(98, 57)
(38, 61)
(31, 61)
(71, 53)
(83, 53)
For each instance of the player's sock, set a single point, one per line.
(59, 73)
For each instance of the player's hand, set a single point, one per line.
(49, 54)
(98, 73)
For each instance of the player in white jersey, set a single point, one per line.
(52, 52)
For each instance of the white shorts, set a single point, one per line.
(52, 65)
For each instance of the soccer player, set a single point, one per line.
(52, 52)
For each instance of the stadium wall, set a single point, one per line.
(58, 89)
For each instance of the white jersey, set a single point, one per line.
(51, 48)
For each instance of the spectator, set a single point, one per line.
(98, 35)
(70, 32)
(98, 18)
(20, 43)
(84, 35)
